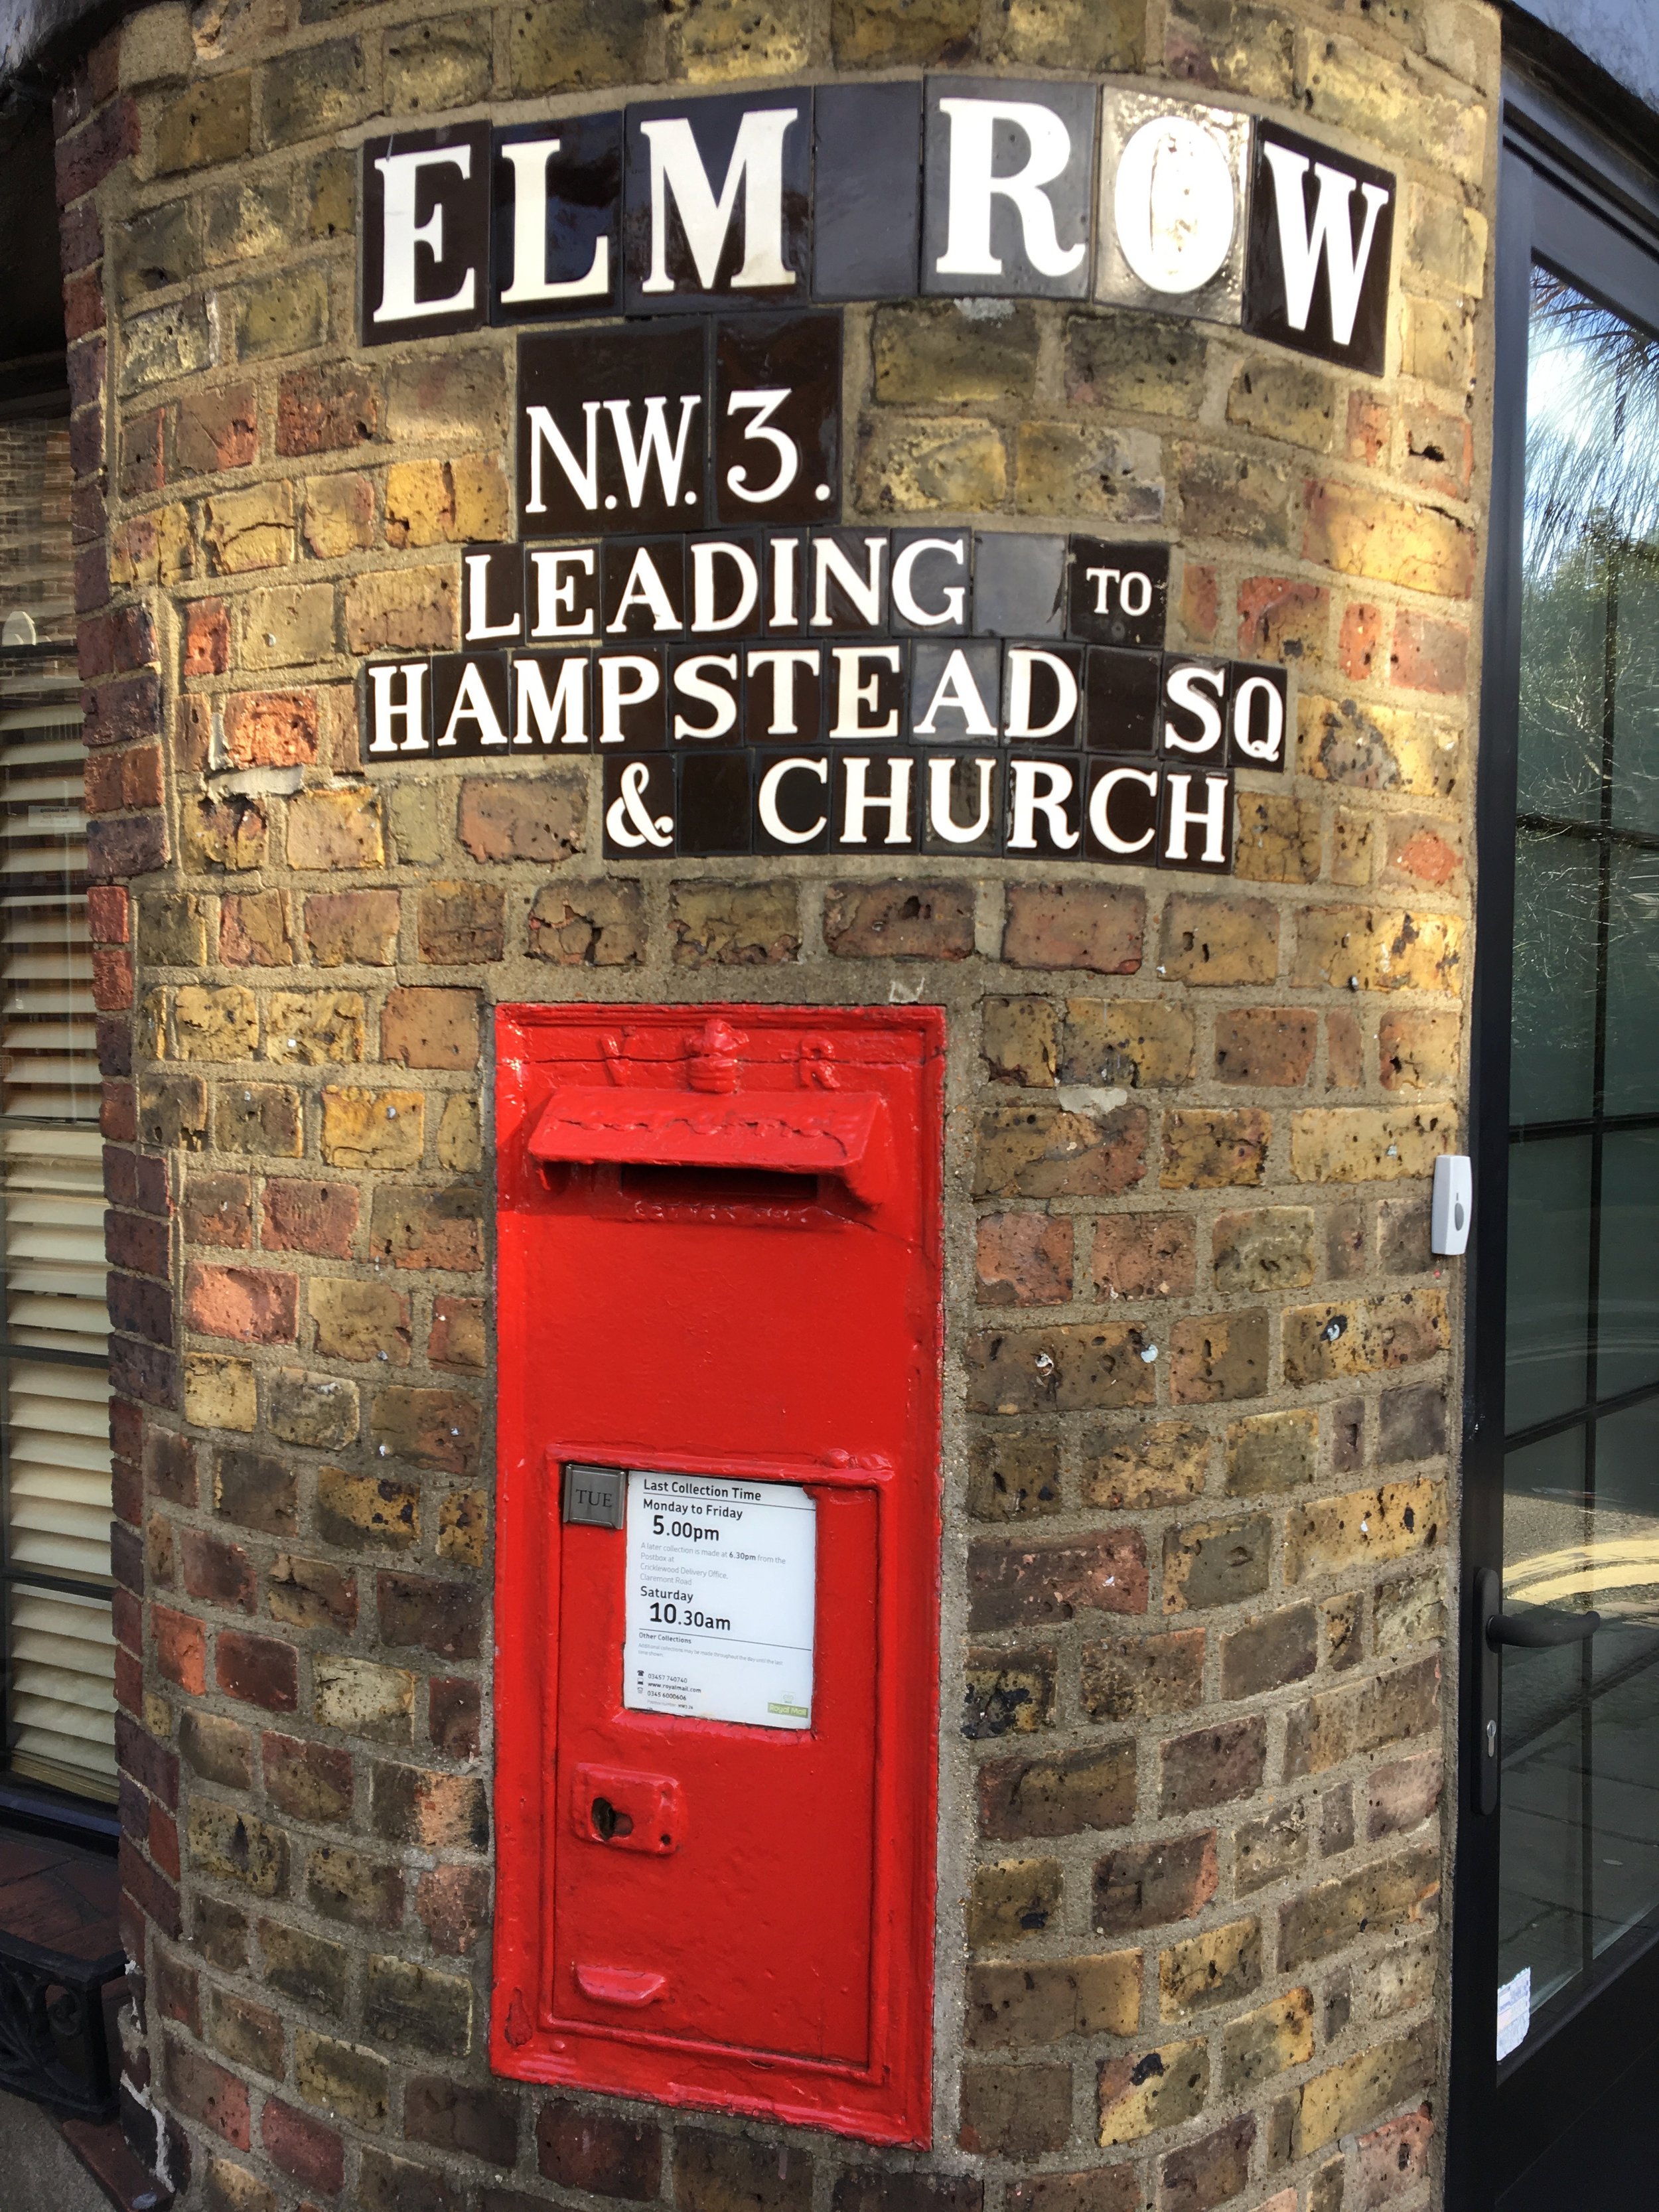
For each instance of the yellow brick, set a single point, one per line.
(1335, 1536)
(214, 1022)
(908, 466)
(1359, 532)
(1363, 1336)
(220, 1394)
(1361, 1144)
(1138, 2098)
(1378, 948)
(373, 1128)
(1374, 748)
(252, 529)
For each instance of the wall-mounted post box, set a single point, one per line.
(717, 1556)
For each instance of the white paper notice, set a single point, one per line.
(1513, 2012)
(721, 1595)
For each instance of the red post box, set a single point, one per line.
(717, 1556)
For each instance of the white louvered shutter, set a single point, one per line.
(54, 1382)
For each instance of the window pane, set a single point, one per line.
(1636, 693)
(1553, 1016)
(1540, 1871)
(1632, 1064)
(1548, 1279)
(1573, 440)
(1627, 1309)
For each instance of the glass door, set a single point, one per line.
(1579, 1852)
(1559, 1843)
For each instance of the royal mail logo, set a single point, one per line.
(954, 186)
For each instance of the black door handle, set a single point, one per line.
(1542, 1630)
(1536, 1631)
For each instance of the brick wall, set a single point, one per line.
(1199, 1383)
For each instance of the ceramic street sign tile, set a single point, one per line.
(716, 202)
(557, 219)
(777, 419)
(1169, 227)
(1320, 244)
(1008, 176)
(867, 191)
(424, 264)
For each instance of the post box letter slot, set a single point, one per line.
(847, 1134)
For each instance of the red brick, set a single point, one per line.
(84, 160)
(257, 1669)
(1097, 927)
(1390, 2161)
(1214, 1765)
(1016, 1585)
(453, 1716)
(112, 978)
(482, 2122)
(119, 712)
(1272, 1046)
(1203, 2174)
(115, 643)
(80, 237)
(1368, 428)
(164, 1841)
(127, 1618)
(1024, 1260)
(154, 1896)
(309, 1781)
(180, 1644)
(319, 1218)
(456, 1337)
(427, 1026)
(416, 1611)
(601, 2151)
(219, 1572)
(270, 729)
(1429, 655)
(83, 304)
(453, 1904)
(1359, 641)
(1147, 1884)
(177, 1990)
(218, 1210)
(1144, 1256)
(207, 638)
(322, 409)
(207, 2092)
(1200, 602)
(303, 2146)
(1282, 619)
(109, 912)
(249, 1305)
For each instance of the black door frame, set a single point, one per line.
(1566, 197)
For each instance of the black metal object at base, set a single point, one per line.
(54, 2041)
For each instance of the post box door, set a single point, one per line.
(771, 1832)
(717, 1556)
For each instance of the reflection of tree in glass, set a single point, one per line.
(1592, 424)
(1589, 653)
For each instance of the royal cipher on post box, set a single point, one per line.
(717, 1562)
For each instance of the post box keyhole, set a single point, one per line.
(608, 1821)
